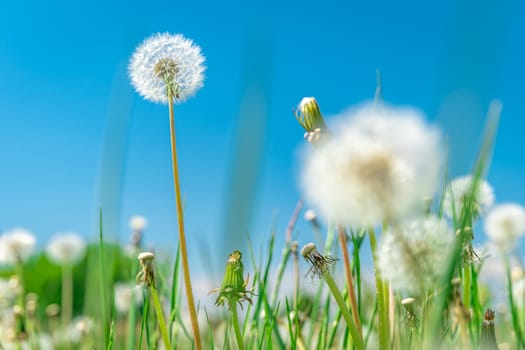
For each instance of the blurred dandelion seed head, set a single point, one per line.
(379, 164)
(167, 61)
(459, 190)
(505, 224)
(413, 256)
(138, 223)
(66, 248)
(16, 245)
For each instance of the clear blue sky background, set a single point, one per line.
(72, 129)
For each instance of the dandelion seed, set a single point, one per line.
(166, 61)
(378, 165)
(505, 224)
(66, 248)
(458, 192)
(16, 246)
(412, 257)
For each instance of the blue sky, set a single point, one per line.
(74, 135)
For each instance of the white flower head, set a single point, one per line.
(379, 164)
(505, 224)
(459, 190)
(167, 61)
(126, 295)
(66, 248)
(413, 257)
(138, 223)
(16, 245)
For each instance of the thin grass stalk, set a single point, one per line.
(103, 281)
(67, 294)
(180, 221)
(349, 280)
(160, 317)
(520, 342)
(380, 295)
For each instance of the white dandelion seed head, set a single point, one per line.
(413, 257)
(126, 295)
(457, 192)
(505, 224)
(188, 68)
(378, 164)
(66, 248)
(138, 223)
(17, 244)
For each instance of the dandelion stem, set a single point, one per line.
(352, 327)
(180, 220)
(380, 295)
(237, 329)
(349, 279)
(520, 343)
(67, 294)
(160, 317)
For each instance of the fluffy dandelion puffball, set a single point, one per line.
(413, 257)
(459, 190)
(378, 164)
(66, 248)
(126, 295)
(167, 60)
(138, 223)
(505, 224)
(16, 245)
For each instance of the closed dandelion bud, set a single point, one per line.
(233, 288)
(309, 116)
(488, 336)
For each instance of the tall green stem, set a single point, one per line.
(67, 294)
(352, 327)
(380, 295)
(182, 236)
(349, 279)
(237, 329)
(160, 317)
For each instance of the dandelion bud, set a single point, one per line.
(233, 288)
(488, 336)
(309, 116)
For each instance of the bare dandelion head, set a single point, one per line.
(167, 64)
(377, 165)
(319, 263)
(146, 275)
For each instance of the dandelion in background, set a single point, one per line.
(504, 225)
(413, 257)
(137, 224)
(169, 68)
(66, 250)
(16, 246)
(126, 295)
(459, 190)
(379, 164)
